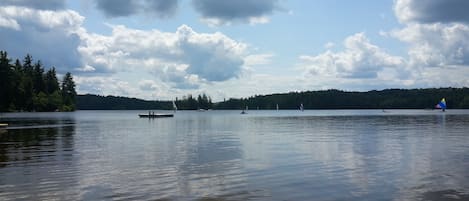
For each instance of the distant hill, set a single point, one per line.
(325, 99)
(336, 99)
(96, 102)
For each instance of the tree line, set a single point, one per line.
(27, 86)
(97, 102)
(337, 99)
(326, 99)
(191, 103)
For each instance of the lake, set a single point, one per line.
(223, 155)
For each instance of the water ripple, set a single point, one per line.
(216, 155)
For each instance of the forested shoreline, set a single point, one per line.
(27, 86)
(97, 102)
(456, 98)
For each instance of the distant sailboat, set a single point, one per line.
(277, 106)
(245, 111)
(441, 105)
(301, 107)
(175, 108)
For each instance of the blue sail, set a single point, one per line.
(441, 104)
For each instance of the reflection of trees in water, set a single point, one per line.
(36, 144)
(37, 161)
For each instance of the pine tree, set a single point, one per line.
(51, 81)
(28, 65)
(52, 89)
(68, 92)
(38, 78)
(18, 99)
(25, 87)
(5, 73)
(28, 93)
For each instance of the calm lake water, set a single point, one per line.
(222, 155)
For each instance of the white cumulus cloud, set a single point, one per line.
(437, 31)
(433, 45)
(437, 36)
(359, 59)
(185, 57)
(51, 36)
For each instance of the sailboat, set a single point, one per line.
(301, 107)
(441, 105)
(175, 108)
(245, 111)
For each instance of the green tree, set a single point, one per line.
(40, 102)
(5, 76)
(28, 66)
(51, 81)
(25, 87)
(68, 92)
(38, 78)
(54, 101)
(28, 93)
(200, 104)
(18, 87)
(465, 102)
(28, 83)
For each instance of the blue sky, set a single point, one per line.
(162, 49)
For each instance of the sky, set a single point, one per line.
(163, 49)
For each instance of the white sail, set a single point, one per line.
(174, 106)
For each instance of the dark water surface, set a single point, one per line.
(222, 155)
